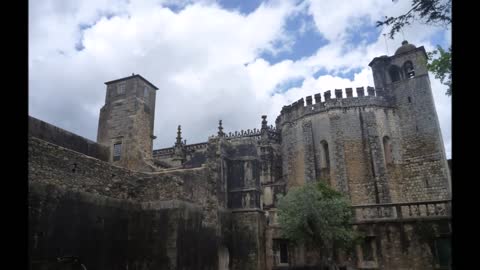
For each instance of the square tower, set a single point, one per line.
(405, 80)
(126, 122)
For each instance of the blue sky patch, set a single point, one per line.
(438, 38)
(174, 7)
(349, 74)
(362, 32)
(291, 83)
(320, 72)
(305, 37)
(243, 6)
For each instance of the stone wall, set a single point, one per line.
(344, 147)
(195, 156)
(107, 233)
(61, 137)
(248, 240)
(53, 164)
(401, 245)
(425, 168)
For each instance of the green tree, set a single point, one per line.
(318, 216)
(431, 12)
(441, 66)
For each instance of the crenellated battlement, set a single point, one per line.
(251, 133)
(171, 150)
(341, 99)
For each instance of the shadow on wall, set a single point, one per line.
(105, 233)
(449, 161)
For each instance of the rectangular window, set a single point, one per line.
(283, 252)
(443, 251)
(280, 249)
(117, 150)
(145, 94)
(121, 88)
(367, 248)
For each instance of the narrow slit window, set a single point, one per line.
(326, 155)
(117, 150)
(146, 94)
(387, 150)
(283, 252)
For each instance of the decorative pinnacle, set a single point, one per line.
(220, 129)
(264, 122)
(179, 136)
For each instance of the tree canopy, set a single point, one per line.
(318, 216)
(433, 12)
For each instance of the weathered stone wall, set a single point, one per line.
(61, 137)
(127, 118)
(107, 233)
(52, 164)
(424, 166)
(248, 240)
(401, 245)
(195, 156)
(341, 143)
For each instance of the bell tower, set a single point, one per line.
(126, 122)
(404, 78)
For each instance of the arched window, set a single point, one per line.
(408, 69)
(325, 155)
(394, 73)
(387, 150)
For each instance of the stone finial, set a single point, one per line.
(179, 136)
(220, 129)
(327, 95)
(338, 93)
(370, 91)
(349, 92)
(318, 98)
(309, 100)
(360, 92)
(264, 122)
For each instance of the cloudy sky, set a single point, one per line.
(233, 60)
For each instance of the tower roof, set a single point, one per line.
(406, 47)
(130, 77)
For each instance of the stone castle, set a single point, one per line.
(119, 204)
